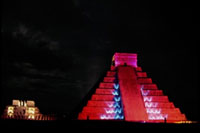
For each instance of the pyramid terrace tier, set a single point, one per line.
(163, 121)
(152, 92)
(138, 69)
(112, 68)
(144, 80)
(97, 116)
(101, 110)
(110, 74)
(106, 85)
(109, 79)
(163, 111)
(149, 86)
(106, 104)
(106, 91)
(141, 74)
(105, 98)
(169, 117)
(159, 105)
(155, 99)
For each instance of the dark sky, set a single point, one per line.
(55, 52)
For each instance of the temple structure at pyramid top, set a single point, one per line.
(127, 94)
(125, 59)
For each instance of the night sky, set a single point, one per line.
(55, 52)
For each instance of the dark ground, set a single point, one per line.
(77, 125)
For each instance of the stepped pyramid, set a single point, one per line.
(127, 94)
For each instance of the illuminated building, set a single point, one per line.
(126, 93)
(24, 110)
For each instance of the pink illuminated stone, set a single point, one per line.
(144, 80)
(110, 74)
(141, 74)
(109, 79)
(105, 91)
(101, 103)
(103, 97)
(125, 59)
(155, 99)
(138, 69)
(106, 85)
(126, 93)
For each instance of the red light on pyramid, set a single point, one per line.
(126, 93)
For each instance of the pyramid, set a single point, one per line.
(127, 94)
